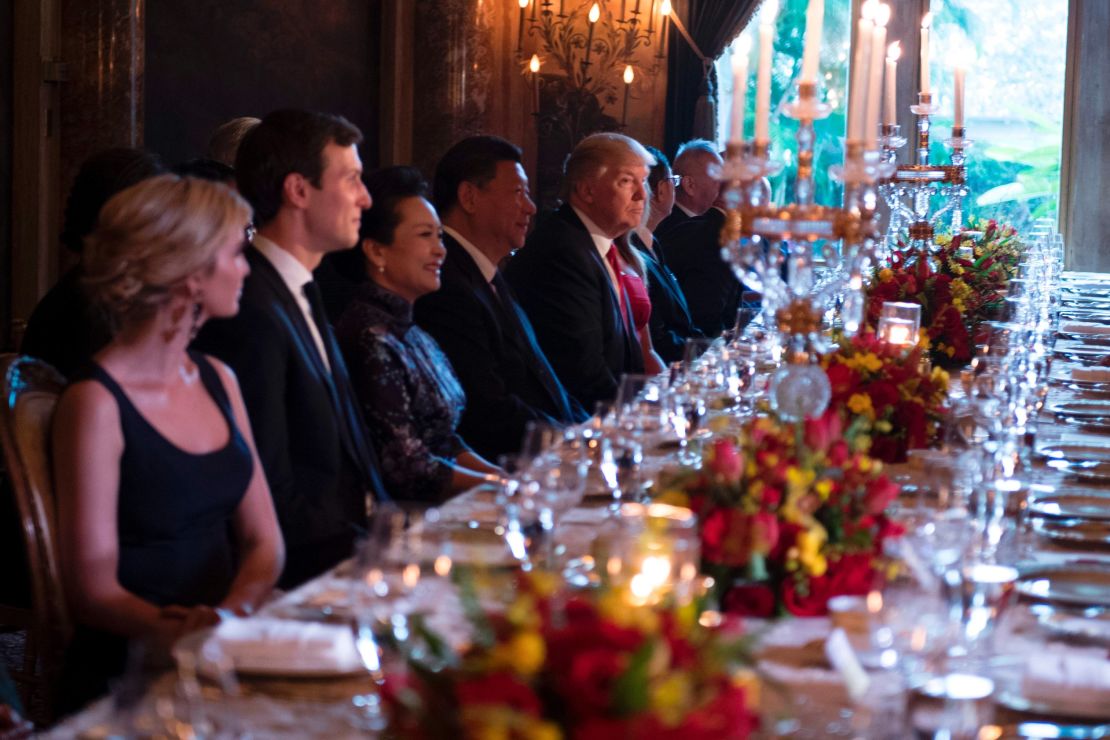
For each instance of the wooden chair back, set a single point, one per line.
(29, 391)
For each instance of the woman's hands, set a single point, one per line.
(177, 621)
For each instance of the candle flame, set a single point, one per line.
(742, 46)
(665, 8)
(867, 11)
(874, 602)
(894, 51)
(965, 59)
(770, 12)
(534, 65)
(927, 20)
(523, 4)
(410, 576)
(442, 566)
(882, 15)
(595, 13)
(629, 75)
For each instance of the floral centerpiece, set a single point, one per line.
(583, 665)
(791, 514)
(893, 397)
(958, 287)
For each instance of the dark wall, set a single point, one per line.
(7, 63)
(211, 60)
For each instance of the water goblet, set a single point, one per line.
(620, 465)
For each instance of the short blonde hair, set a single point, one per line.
(596, 153)
(154, 235)
(225, 140)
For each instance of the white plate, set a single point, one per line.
(1071, 584)
(1085, 532)
(1076, 453)
(1089, 624)
(1072, 506)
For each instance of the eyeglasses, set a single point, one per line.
(248, 234)
(676, 179)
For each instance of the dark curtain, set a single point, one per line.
(692, 83)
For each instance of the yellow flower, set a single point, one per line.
(923, 339)
(535, 729)
(522, 612)
(748, 680)
(823, 488)
(941, 377)
(810, 543)
(860, 403)
(882, 426)
(670, 696)
(523, 654)
(614, 606)
(886, 275)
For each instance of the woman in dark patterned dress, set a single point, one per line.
(409, 394)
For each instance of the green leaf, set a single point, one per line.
(630, 692)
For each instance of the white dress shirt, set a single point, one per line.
(295, 276)
(685, 210)
(603, 244)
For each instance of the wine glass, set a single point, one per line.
(620, 464)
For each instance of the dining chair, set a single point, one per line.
(29, 391)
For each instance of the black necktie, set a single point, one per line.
(519, 323)
(353, 426)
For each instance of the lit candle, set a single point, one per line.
(958, 93)
(665, 12)
(595, 13)
(898, 332)
(857, 88)
(740, 51)
(926, 22)
(520, 32)
(534, 67)
(891, 99)
(811, 53)
(763, 75)
(629, 75)
(875, 84)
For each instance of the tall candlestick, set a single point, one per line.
(926, 22)
(875, 84)
(740, 52)
(595, 13)
(629, 75)
(811, 53)
(958, 94)
(891, 100)
(534, 4)
(520, 31)
(534, 67)
(763, 75)
(857, 89)
(651, 16)
(665, 12)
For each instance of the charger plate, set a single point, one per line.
(1073, 584)
(1084, 532)
(1072, 506)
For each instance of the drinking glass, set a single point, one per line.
(620, 464)
(954, 706)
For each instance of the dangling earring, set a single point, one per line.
(194, 327)
(175, 324)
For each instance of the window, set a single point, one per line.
(1014, 104)
(785, 68)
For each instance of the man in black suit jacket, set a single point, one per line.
(301, 173)
(481, 193)
(693, 251)
(699, 165)
(564, 276)
(670, 324)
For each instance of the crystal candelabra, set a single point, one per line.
(909, 190)
(779, 250)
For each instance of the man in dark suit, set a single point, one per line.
(481, 193)
(301, 173)
(699, 166)
(564, 276)
(670, 324)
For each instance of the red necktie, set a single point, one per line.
(615, 262)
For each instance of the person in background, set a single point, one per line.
(481, 192)
(207, 169)
(566, 275)
(671, 324)
(301, 172)
(698, 166)
(12, 724)
(164, 514)
(223, 145)
(65, 329)
(409, 394)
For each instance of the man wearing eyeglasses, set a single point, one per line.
(697, 173)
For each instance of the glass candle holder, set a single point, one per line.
(906, 311)
(650, 552)
(898, 332)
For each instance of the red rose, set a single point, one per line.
(883, 394)
(823, 431)
(749, 600)
(726, 536)
(813, 603)
(501, 689)
(725, 461)
(589, 685)
(850, 575)
(842, 379)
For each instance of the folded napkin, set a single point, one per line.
(1076, 327)
(1067, 677)
(1091, 374)
(281, 646)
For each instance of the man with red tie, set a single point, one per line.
(566, 275)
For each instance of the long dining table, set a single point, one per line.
(803, 695)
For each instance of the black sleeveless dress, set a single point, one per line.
(175, 514)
